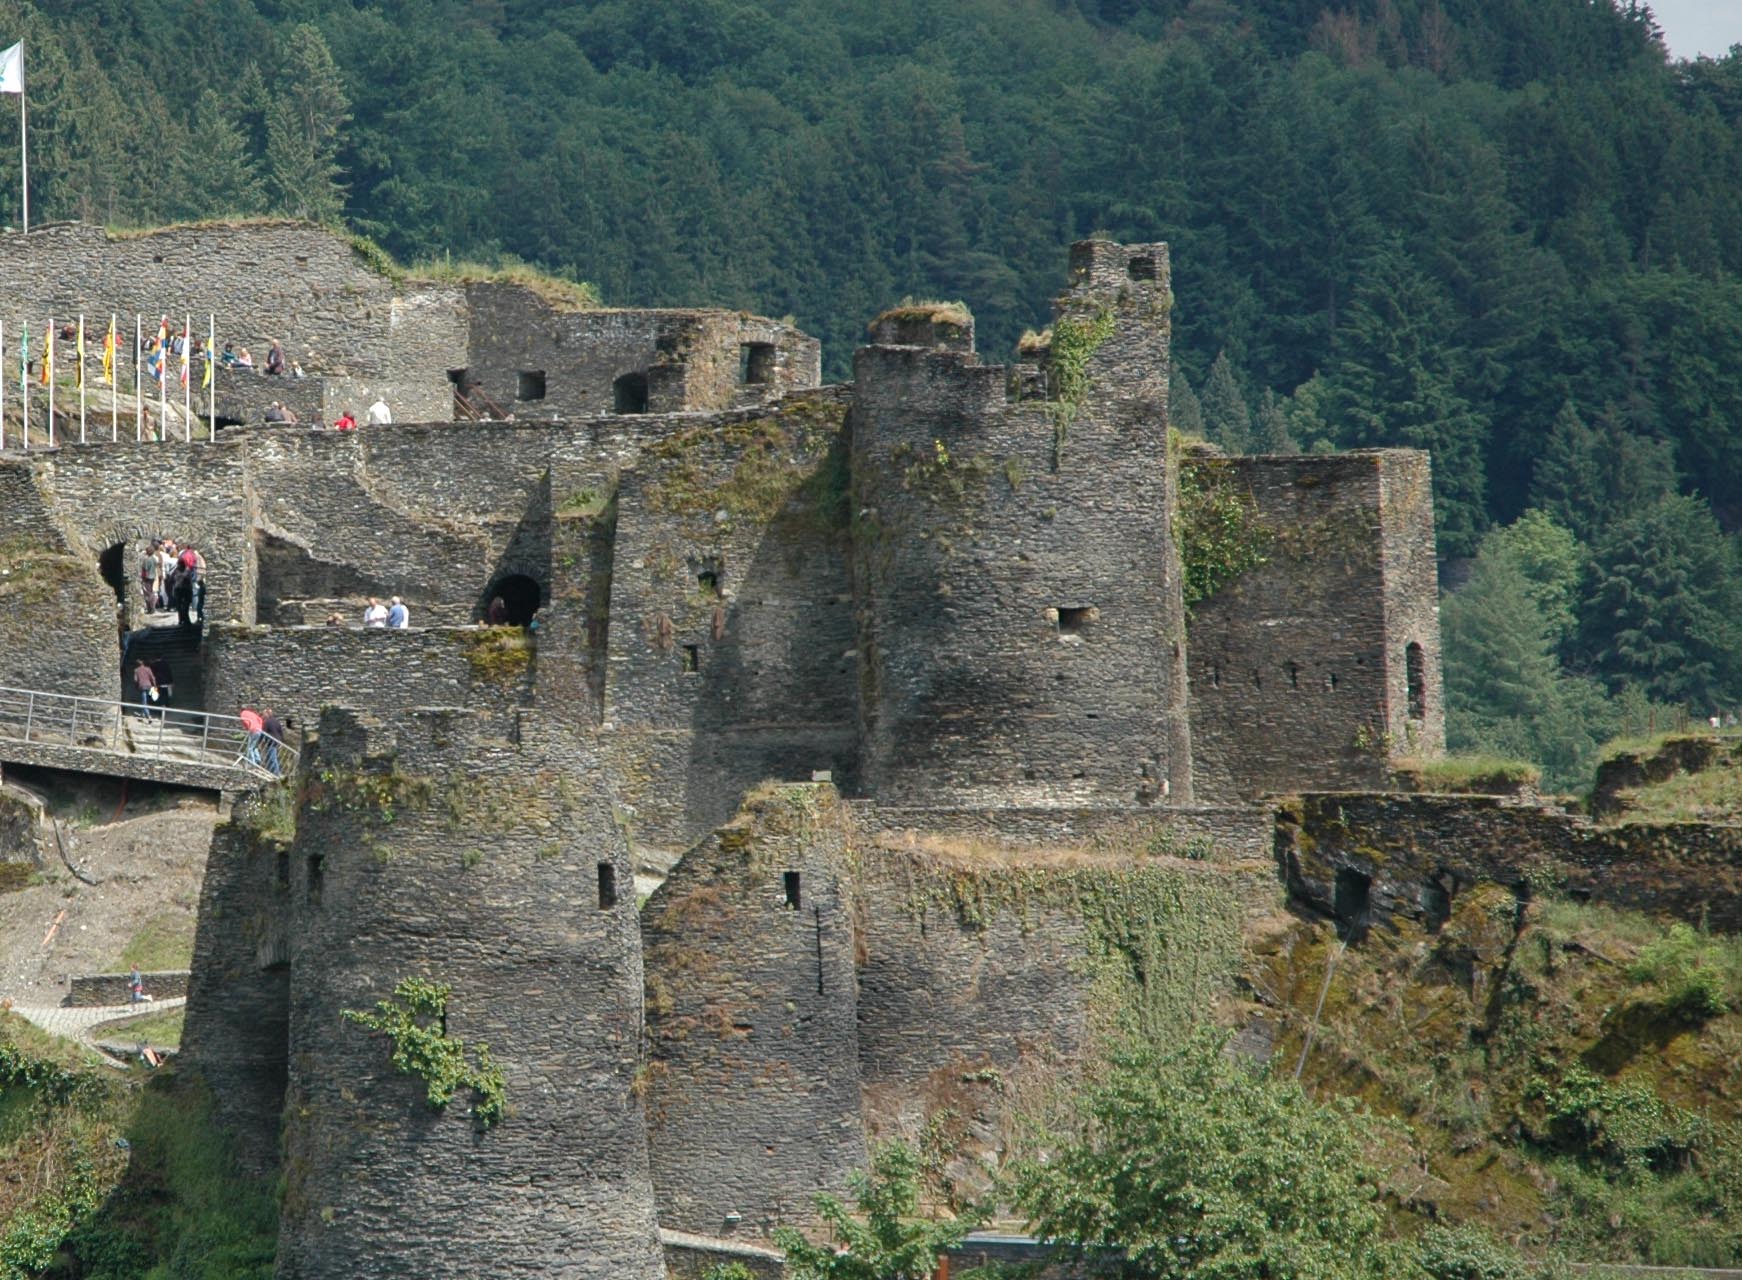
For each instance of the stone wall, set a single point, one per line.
(538, 361)
(299, 670)
(236, 1035)
(1020, 633)
(436, 849)
(753, 1099)
(98, 989)
(731, 609)
(1408, 856)
(60, 633)
(1299, 664)
(293, 281)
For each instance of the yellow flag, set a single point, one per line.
(47, 354)
(81, 351)
(206, 377)
(109, 354)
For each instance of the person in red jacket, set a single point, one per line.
(347, 422)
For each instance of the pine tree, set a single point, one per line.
(1227, 420)
(1183, 409)
(304, 117)
(1270, 426)
(1591, 476)
(216, 173)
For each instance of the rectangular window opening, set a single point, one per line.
(1415, 675)
(607, 886)
(1142, 268)
(531, 385)
(284, 869)
(1072, 621)
(692, 658)
(756, 363)
(316, 876)
(790, 882)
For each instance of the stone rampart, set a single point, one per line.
(753, 1099)
(435, 849)
(1408, 856)
(98, 989)
(299, 670)
(1300, 665)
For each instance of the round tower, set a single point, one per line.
(1021, 633)
(492, 874)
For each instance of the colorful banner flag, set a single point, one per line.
(81, 353)
(109, 354)
(154, 361)
(206, 376)
(47, 352)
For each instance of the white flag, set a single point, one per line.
(12, 69)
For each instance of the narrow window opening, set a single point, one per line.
(1215, 676)
(1415, 671)
(1436, 903)
(607, 886)
(1257, 679)
(531, 385)
(709, 581)
(1072, 621)
(1350, 898)
(629, 393)
(756, 362)
(692, 658)
(316, 876)
(790, 883)
(1330, 681)
(284, 869)
(459, 378)
(1141, 268)
(1293, 669)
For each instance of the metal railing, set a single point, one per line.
(165, 734)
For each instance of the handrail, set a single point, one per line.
(35, 716)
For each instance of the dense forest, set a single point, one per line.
(1508, 231)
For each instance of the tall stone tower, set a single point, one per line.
(1020, 630)
(436, 851)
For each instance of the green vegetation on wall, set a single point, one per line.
(1217, 527)
(415, 1019)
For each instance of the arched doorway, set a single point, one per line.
(112, 564)
(521, 597)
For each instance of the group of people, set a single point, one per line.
(379, 415)
(394, 614)
(234, 357)
(174, 577)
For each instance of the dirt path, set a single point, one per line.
(148, 866)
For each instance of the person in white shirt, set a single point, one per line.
(376, 614)
(380, 414)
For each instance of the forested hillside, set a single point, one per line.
(1505, 230)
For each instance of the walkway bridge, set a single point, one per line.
(91, 735)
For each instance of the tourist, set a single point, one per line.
(275, 360)
(296, 370)
(379, 414)
(275, 412)
(376, 614)
(166, 553)
(164, 674)
(244, 360)
(335, 620)
(347, 422)
(497, 614)
(191, 560)
(398, 617)
(135, 987)
(228, 358)
(274, 729)
(146, 683)
(148, 569)
(256, 727)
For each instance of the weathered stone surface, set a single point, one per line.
(99, 989)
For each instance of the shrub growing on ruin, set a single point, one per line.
(415, 1020)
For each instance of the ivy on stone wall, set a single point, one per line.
(1075, 339)
(1218, 531)
(416, 1021)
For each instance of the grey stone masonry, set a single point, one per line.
(1020, 638)
(100, 989)
(751, 997)
(437, 850)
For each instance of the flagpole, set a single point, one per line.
(114, 389)
(2, 387)
(162, 383)
(211, 377)
(24, 381)
(138, 385)
(81, 354)
(187, 379)
(48, 374)
(24, 146)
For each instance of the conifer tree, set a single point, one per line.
(304, 116)
(217, 175)
(1270, 426)
(1227, 420)
(1183, 409)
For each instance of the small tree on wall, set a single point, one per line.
(886, 1239)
